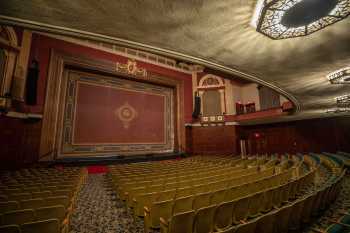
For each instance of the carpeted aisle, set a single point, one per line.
(98, 211)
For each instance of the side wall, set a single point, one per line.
(212, 140)
(316, 135)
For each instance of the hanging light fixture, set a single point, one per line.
(341, 76)
(281, 19)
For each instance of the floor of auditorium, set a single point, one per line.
(99, 211)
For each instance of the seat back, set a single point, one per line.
(249, 227)
(265, 224)
(18, 217)
(156, 188)
(241, 209)
(183, 192)
(280, 196)
(223, 215)
(204, 220)
(201, 200)
(255, 204)
(10, 229)
(47, 226)
(218, 197)
(58, 200)
(51, 212)
(8, 206)
(166, 195)
(183, 204)
(268, 199)
(43, 194)
(181, 222)
(162, 209)
(295, 216)
(282, 219)
(32, 203)
(335, 228)
(307, 208)
(142, 200)
(19, 196)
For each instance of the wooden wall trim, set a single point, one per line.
(59, 61)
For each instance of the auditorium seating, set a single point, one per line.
(222, 194)
(39, 199)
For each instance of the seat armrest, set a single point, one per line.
(317, 230)
(163, 225)
(163, 221)
(145, 208)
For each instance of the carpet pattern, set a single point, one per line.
(98, 210)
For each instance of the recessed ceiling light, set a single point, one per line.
(341, 76)
(281, 19)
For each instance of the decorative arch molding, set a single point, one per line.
(11, 35)
(49, 28)
(211, 81)
(9, 45)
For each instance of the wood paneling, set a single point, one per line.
(19, 142)
(316, 135)
(219, 140)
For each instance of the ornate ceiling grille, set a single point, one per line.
(281, 19)
(341, 76)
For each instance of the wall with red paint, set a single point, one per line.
(42, 45)
(15, 132)
(316, 135)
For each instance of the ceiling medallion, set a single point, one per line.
(281, 19)
(341, 76)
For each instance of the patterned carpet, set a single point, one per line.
(98, 211)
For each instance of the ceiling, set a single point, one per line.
(216, 33)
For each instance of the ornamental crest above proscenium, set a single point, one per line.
(131, 68)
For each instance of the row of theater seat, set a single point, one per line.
(234, 209)
(32, 199)
(218, 193)
(204, 197)
(292, 216)
(183, 179)
(288, 217)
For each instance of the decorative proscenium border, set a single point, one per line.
(57, 79)
(70, 147)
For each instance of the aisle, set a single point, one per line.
(97, 211)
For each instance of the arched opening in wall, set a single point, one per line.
(2, 65)
(212, 92)
(8, 56)
(211, 103)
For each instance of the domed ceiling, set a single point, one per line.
(215, 33)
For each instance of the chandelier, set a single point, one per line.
(281, 19)
(341, 76)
